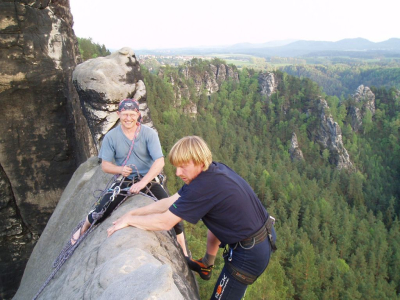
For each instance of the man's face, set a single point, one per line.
(189, 171)
(128, 118)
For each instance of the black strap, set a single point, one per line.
(240, 275)
(260, 236)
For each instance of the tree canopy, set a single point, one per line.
(338, 231)
(90, 49)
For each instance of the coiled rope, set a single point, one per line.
(114, 187)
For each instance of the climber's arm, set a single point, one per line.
(155, 216)
(155, 208)
(153, 222)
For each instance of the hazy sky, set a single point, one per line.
(150, 24)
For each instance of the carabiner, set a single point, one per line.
(116, 191)
(230, 254)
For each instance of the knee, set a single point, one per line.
(89, 217)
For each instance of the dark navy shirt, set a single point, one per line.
(224, 201)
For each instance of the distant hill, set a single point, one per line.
(314, 48)
(358, 44)
(263, 45)
(287, 48)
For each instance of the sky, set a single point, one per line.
(160, 24)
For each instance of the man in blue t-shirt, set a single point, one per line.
(234, 216)
(134, 151)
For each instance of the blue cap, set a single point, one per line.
(128, 104)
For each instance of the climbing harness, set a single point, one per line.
(113, 187)
(69, 249)
(247, 244)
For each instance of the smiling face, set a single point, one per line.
(188, 171)
(128, 118)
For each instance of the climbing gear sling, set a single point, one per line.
(113, 187)
(247, 244)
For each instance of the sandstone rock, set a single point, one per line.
(268, 83)
(14, 235)
(211, 78)
(210, 82)
(102, 83)
(180, 88)
(329, 136)
(190, 109)
(182, 91)
(131, 264)
(295, 151)
(42, 136)
(231, 73)
(365, 96)
(364, 100)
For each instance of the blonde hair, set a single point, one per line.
(190, 148)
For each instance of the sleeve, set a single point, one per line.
(107, 150)
(154, 145)
(191, 206)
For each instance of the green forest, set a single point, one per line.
(338, 231)
(90, 49)
(341, 77)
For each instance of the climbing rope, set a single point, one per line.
(114, 187)
(69, 249)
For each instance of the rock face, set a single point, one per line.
(268, 83)
(295, 151)
(210, 79)
(207, 78)
(364, 100)
(43, 135)
(190, 109)
(131, 264)
(102, 83)
(329, 136)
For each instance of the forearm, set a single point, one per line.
(155, 169)
(153, 222)
(156, 207)
(110, 168)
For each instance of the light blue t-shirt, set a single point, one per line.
(146, 150)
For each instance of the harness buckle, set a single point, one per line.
(248, 248)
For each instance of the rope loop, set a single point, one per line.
(114, 187)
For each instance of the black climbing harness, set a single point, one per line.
(247, 244)
(113, 187)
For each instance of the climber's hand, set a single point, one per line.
(117, 225)
(137, 187)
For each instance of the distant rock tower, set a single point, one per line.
(329, 136)
(364, 100)
(295, 151)
(268, 83)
